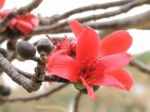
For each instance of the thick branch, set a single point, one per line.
(28, 8)
(30, 98)
(10, 70)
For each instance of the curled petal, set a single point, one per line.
(75, 27)
(107, 80)
(115, 61)
(88, 44)
(123, 77)
(117, 42)
(12, 23)
(89, 88)
(63, 66)
(24, 26)
(33, 20)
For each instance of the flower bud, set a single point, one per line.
(44, 46)
(5, 90)
(83, 89)
(25, 49)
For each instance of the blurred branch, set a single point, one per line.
(139, 21)
(76, 102)
(142, 67)
(30, 98)
(55, 28)
(25, 9)
(122, 9)
(56, 18)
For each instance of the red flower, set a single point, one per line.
(96, 63)
(24, 23)
(2, 3)
(66, 44)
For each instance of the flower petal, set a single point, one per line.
(63, 66)
(2, 3)
(12, 23)
(4, 13)
(115, 61)
(123, 77)
(117, 42)
(33, 20)
(24, 26)
(88, 44)
(107, 80)
(89, 88)
(75, 27)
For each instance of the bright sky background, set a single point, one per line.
(141, 39)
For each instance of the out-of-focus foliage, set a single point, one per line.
(144, 57)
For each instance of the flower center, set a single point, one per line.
(91, 69)
(88, 67)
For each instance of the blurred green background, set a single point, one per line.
(109, 99)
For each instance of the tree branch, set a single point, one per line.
(54, 18)
(76, 102)
(10, 70)
(138, 21)
(142, 67)
(121, 10)
(52, 78)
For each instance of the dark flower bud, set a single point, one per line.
(25, 49)
(11, 44)
(83, 89)
(5, 90)
(3, 52)
(44, 46)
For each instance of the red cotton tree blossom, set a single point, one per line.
(97, 63)
(66, 44)
(24, 23)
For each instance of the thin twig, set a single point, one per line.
(139, 65)
(76, 102)
(30, 98)
(121, 10)
(47, 78)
